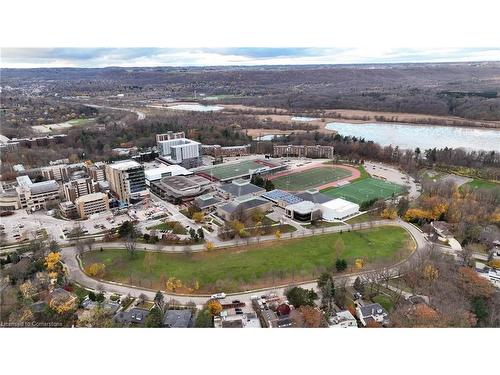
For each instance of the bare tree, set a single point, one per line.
(131, 244)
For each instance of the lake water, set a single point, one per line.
(422, 136)
(196, 107)
(303, 119)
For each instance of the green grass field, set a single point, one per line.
(310, 178)
(225, 171)
(482, 184)
(252, 266)
(364, 190)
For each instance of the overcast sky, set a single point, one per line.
(103, 57)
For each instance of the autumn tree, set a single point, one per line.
(214, 306)
(307, 317)
(95, 269)
(198, 217)
(173, 284)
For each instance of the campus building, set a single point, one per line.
(169, 135)
(127, 180)
(9, 201)
(36, 195)
(97, 171)
(179, 189)
(239, 188)
(338, 209)
(316, 151)
(90, 204)
(77, 188)
(59, 172)
(243, 207)
(181, 151)
(218, 151)
(155, 174)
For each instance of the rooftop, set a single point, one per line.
(178, 318)
(90, 197)
(244, 204)
(240, 187)
(280, 195)
(314, 195)
(124, 165)
(44, 187)
(339, 204)
(303, 207)
(207, 200)
(134, 315)
(372, 309)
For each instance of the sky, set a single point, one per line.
(144, 57)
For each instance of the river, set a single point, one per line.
(410, 136)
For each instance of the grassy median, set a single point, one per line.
(253, 266)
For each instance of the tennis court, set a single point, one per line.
(310, 178)
(230, 171)
(365, 190)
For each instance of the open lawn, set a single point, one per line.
(482, 184)
(385, 301)
(364, 190)
(245, 267)
(310, 178)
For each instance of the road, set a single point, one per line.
(75, 273)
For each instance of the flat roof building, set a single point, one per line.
(90, 204)
(155, 174)
(180, 188)
(304, 211)
(338, 209)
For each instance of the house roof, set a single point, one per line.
(240, 187)
(134, 315)
(372, 309)
(177, 318)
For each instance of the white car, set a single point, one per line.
(219, 296)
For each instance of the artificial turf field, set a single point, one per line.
(310, 178)
(364, 190)
(225, 171)
(257, 265)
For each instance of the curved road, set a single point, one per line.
(75, 272)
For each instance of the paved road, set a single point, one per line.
(76, 274)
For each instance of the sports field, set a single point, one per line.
(364, 190)
(234, 170)
(257, 265)
(310, 178)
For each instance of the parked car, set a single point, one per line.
(219, 295)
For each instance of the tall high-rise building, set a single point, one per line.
(126, 180)
(181, 151)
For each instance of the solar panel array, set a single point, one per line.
(280, 195)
